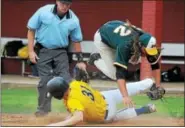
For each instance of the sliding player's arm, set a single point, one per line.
(74, 119)
(76, 109)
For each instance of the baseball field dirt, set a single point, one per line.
(31, 120)
(21, 119)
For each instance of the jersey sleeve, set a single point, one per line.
(122, 55)
(76, 34)
(35, 21)
(74, 105)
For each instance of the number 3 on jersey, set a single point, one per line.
(123, 30)
(87, 92)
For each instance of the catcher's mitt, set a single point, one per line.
(80, 74)
(156, 93)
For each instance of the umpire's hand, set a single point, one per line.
(81, 65)
(80, 72)
(33, 57)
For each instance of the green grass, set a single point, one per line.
(24, 100)
(171, 106)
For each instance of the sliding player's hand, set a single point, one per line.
(128, 102)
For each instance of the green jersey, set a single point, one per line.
(119, 36)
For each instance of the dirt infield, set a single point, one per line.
(31, 120)
(144, 120)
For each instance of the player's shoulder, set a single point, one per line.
(79, 85)
(113, 22)
(73, 15)
(76, 83)
(46, 8)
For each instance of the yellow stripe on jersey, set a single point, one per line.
(83, 98)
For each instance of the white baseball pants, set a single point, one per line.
(114, 97)
(105, 64)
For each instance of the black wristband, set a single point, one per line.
(155, 66)
(121, 73)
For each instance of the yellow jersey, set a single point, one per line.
(83, 98)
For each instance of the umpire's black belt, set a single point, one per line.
(40, 46)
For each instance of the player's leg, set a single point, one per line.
(128, 113)
(133, 89)
(45, 74)
(105, 63)
(61, 65)
(111, 107)
(114, 97)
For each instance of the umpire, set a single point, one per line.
(51, 26)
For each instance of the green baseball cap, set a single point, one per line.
(149, 42)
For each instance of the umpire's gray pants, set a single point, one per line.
(51, 62)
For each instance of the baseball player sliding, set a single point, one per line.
(89, 105)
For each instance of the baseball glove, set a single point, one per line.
(80, 74)
(156, 93)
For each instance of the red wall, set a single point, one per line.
(92, 14)
(15, 14)
(173, 23)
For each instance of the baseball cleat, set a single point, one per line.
(151, 108)
(93, 57)
(40, 113)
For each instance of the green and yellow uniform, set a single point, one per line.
(118, 36)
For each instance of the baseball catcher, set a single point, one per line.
(88, 105)
(119, 43)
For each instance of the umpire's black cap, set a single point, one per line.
(66, 1)
(56, 87)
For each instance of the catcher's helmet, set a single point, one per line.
(57, 87)
(153, 53)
